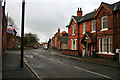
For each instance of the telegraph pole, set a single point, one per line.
(22, 33)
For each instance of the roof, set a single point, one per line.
(64, 39)
(88, 16)
(75, 18)
(114, 6)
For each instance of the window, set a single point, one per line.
(84, 27)
(73, 29)
(110, 44)
(104, 22)
(73, 44)
(105, 45)
(100, 43)
(93, 25)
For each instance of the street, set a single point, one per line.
(47, 65)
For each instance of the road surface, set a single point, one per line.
(47, 65)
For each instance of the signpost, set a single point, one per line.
(22, 33)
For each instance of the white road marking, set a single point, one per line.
(92, 72)
(29, 56)
(56, 61)
(42, 56)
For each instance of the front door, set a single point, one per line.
(89, 49)
(83, 50)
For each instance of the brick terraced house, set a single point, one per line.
(97, 31)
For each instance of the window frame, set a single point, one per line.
(84, 28)
(93, 25)
(73, 29)
(102, 45)
(103, 22)
(73, 46)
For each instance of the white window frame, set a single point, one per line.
(73, 29)
(73, 45)
(104, 29)
(103, 45)
(99, 44)
(109, 44)
(84, 28)
(93, 26)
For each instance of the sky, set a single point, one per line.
(44, 17)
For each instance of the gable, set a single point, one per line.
(72, 19)
(103, 6)
(75, 19)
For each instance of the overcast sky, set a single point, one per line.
(44, 17)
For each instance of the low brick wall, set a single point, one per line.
(65, 51)
(69, 52)
(112, 57)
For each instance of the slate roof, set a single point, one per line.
(77, 18)
(64, 39)
(113, 7)
(88, 16)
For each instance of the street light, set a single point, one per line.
(22, 33)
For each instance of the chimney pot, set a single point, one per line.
(79, 12)
(78, 8)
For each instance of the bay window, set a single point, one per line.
(105, 45)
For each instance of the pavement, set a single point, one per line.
(105, 62)
(11, 68)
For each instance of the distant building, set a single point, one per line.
(12, 40)
(60, 40)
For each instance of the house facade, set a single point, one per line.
(97, 31)
(73, 34)
(4, 30)
(108, 29)
(59, 40)
(12, 40)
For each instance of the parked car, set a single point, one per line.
(45, 47)
(35, 47)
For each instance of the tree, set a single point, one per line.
(30, 39)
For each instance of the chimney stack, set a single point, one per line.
(58, 30)
(79, 12)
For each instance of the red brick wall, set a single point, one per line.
(70, 36)
(70, 52)
(111, 32)
(4, 36)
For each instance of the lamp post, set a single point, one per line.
(22, 33)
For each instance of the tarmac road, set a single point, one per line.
(47, 65)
